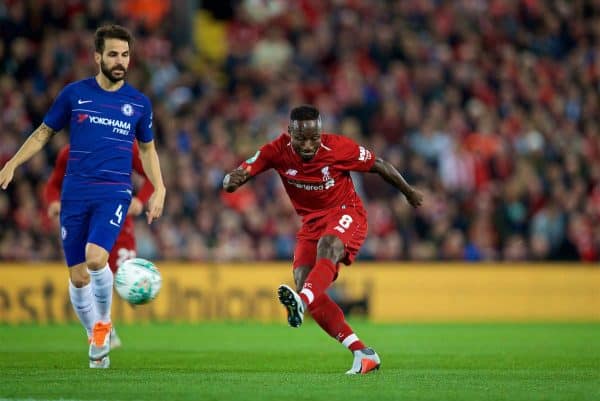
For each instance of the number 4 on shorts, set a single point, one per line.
(118, 215)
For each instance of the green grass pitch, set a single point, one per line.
(253, 361)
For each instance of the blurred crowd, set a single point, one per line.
(490, 107)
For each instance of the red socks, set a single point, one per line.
(322, 308)
(319, 278)
(331, 319)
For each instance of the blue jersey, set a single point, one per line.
(103, 126)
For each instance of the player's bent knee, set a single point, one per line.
(330, 247)
(77, 283)
(79, 275)
(96, 262)
(96, 257)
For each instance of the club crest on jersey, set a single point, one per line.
(127, 109)
(329, 182)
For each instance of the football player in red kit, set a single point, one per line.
(315, 169)
(124, 247)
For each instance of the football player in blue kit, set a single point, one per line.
(105, 115)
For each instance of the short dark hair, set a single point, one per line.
(111, 32)
(304, 112)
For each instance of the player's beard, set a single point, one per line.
(109, 72)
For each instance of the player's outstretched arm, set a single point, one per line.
(30, 147)
(393, 176)
(235, 179)
(151, 166)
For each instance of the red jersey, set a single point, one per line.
(322, 183)
(52, 192)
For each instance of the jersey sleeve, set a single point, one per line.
(54, 184)
(143, 131)
(59, 113)
(262, 160)
(147, 188)
(352, 156)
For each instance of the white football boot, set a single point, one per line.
(365, 360)
(293, 304)
(115, 341)
(103, 363)
(100, 344)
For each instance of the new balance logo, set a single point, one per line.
(79, 101)
(291, 172)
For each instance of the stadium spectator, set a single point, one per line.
(492, 106)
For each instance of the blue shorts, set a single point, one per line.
(92, 221)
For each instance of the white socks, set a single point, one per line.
(83, 304)
(102, 285)
(351, 339)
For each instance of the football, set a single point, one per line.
(138, 281)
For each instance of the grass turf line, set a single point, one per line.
(253, 361)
